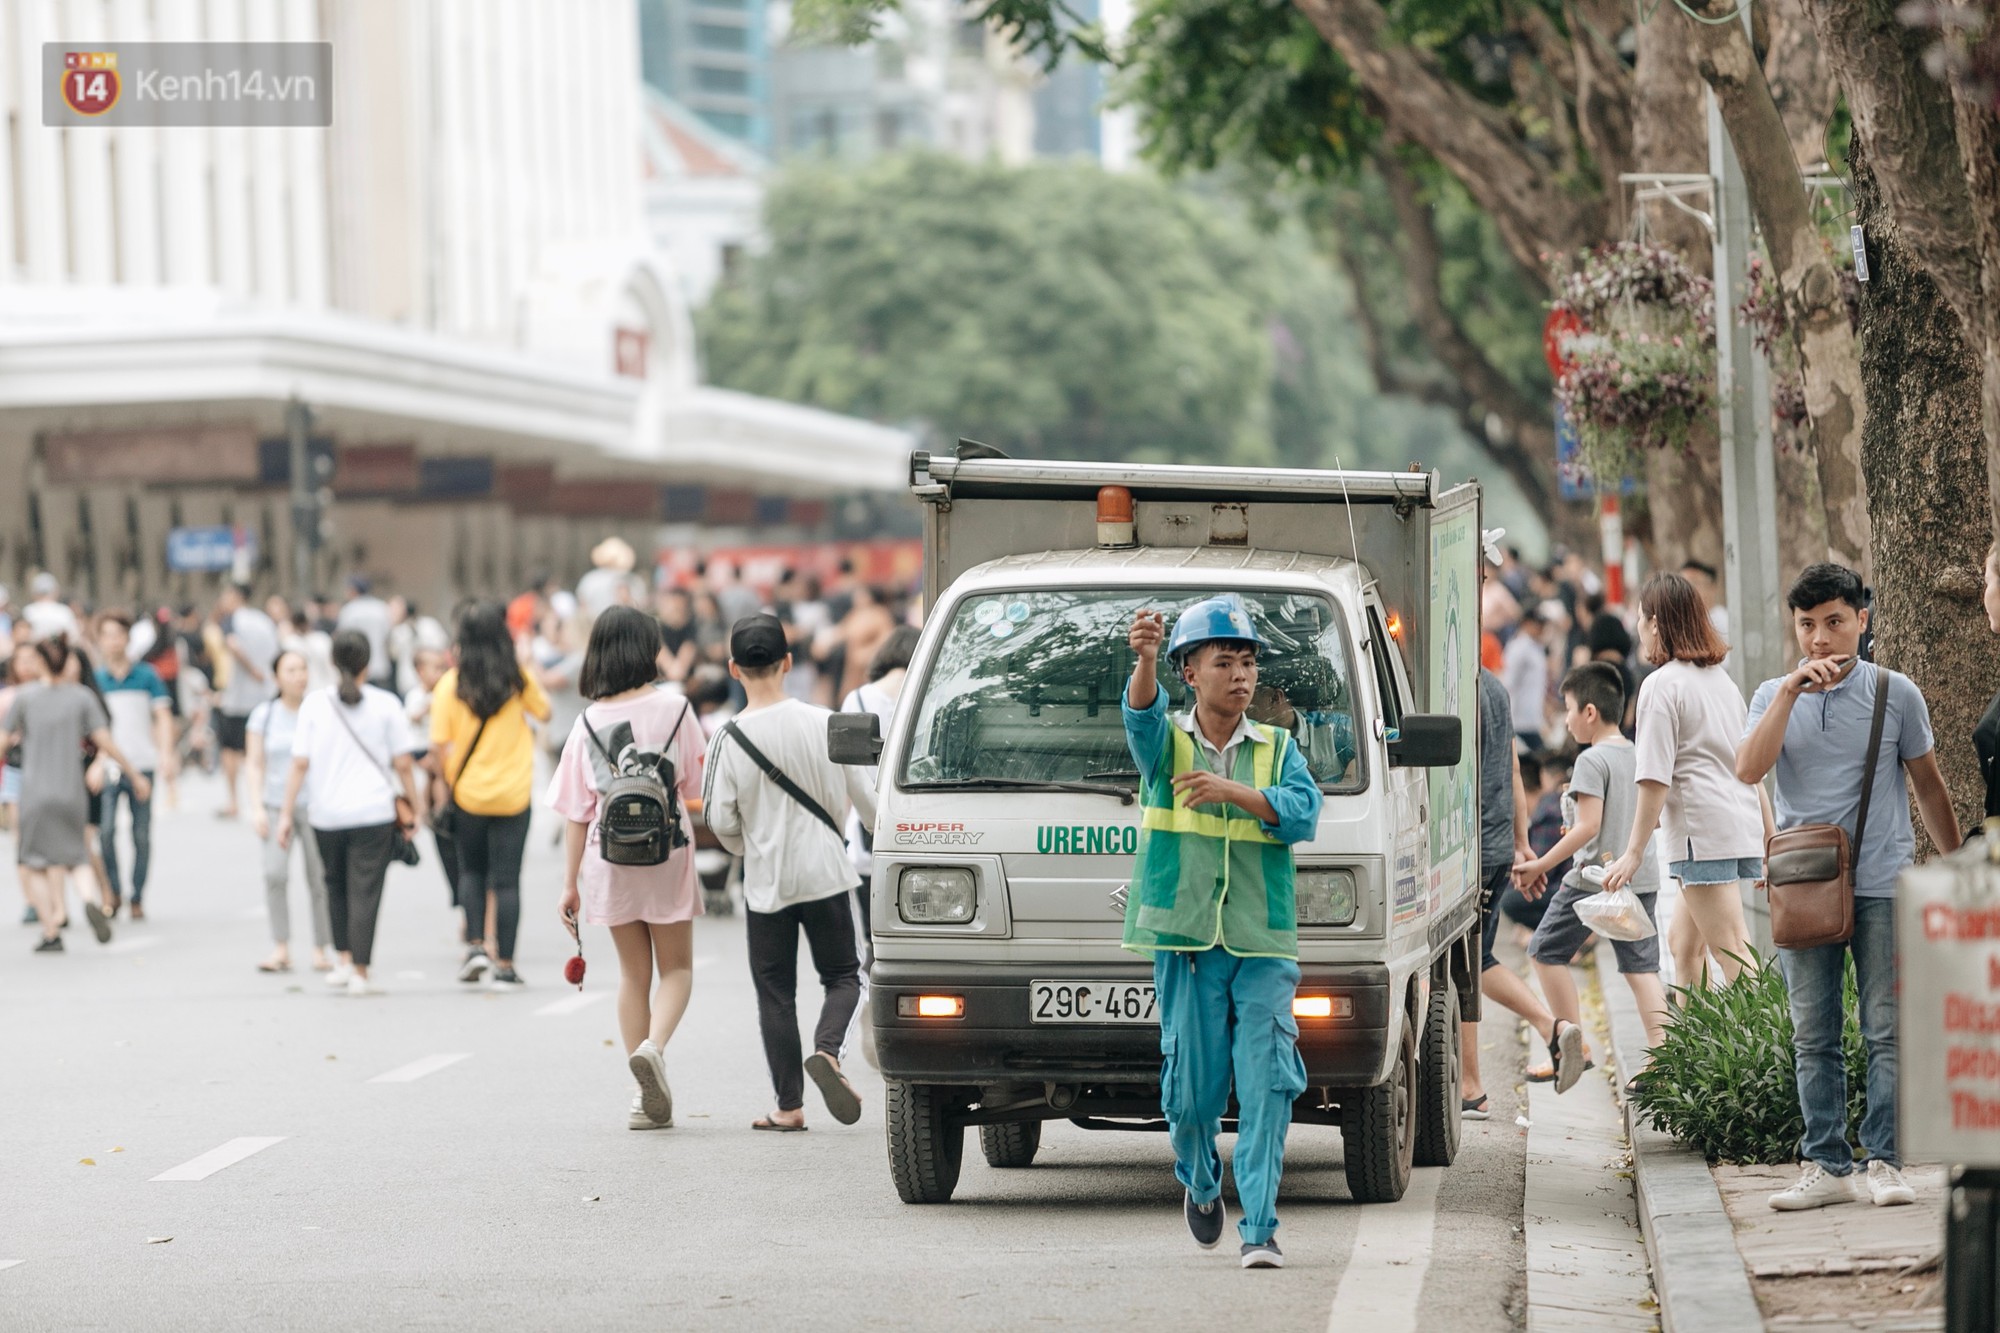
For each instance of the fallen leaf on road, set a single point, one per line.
(118, 1150)
(86, 1161)
(607, 1041)
(593, 1198)
(158, 1240)
(333, 1057)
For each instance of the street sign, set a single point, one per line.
(1948, 1022)
(210, 550)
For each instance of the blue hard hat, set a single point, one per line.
(1212, 619)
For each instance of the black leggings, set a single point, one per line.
(828, 924)
(356, 861)
(489, 861)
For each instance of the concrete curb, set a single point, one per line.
(1698, 1275)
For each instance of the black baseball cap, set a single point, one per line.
(758, 641)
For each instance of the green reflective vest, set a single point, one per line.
(1210, 874)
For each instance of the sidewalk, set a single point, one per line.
(1723, 1259)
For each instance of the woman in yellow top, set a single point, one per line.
(483, 748)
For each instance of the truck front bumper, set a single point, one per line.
(997, 1042)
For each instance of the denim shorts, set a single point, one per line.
(1717, 872)
(10, 785)
(1562, 933)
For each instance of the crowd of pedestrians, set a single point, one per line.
(1668, 776)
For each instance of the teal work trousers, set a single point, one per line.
(1225, 1020)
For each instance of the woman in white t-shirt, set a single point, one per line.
(1691, 719)
(351, 754)
(267, 765)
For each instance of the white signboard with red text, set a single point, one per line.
(1948, 961)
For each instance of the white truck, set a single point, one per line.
(1007, 823)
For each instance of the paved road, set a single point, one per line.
(495, 1183)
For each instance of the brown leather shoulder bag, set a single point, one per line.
(1809, 870)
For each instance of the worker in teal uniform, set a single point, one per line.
(1213, 901)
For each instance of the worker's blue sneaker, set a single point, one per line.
(1205, 1220)
(1264, 1254)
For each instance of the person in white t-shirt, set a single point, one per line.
(351, 754)
(252, 642)
(796, 872)
(1691, 718)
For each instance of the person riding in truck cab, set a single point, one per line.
(1213, 901)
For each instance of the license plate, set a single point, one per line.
(1092, 1002)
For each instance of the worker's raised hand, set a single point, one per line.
(1149, 631)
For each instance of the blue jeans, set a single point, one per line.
(1814, 978)
(142, 833)
(1226, 1019)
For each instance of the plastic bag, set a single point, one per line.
(1615, 915)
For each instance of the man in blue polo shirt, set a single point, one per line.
(1812, 726)
(142, 723)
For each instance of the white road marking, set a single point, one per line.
(212, 1161)
(1392, 1253)
(132, 945)
(11, 1263)
(416, 1069)
(569, 1004)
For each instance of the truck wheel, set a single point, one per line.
(1378, 1131)
(1010, 1145)
(1437, 1080)
(925, 1147)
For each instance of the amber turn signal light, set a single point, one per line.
(930, 1006)
(1322, 1006)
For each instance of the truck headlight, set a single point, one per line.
(1326, 897)
(936, 895)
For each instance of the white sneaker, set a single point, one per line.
(649, 1067)
(637, 1117)
(360, 985)
(340, 976)
(1887, 1186)
(1815, 1189)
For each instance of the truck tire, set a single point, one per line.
(1010, 1145)
(1438, 1060)
(925, 1147)
(1378, 1130)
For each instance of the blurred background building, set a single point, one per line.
(472, 281)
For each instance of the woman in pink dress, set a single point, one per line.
(650, 909)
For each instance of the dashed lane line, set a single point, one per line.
(11, 1263)
(569, 1004)
(1392, 1253)
(416, 1069)
(215, 1159)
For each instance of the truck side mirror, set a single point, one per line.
(856, 738)
(1428, 740)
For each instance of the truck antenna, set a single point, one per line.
(1353, 542)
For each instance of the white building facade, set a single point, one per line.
(459, 278)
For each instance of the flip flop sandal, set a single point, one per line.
(1540, 1076)
(1474, 1108)
(776, 1127)
(1566, 1051)
(842, 1102)
(274, 967)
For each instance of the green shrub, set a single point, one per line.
(1724, 1081)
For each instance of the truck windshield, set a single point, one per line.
(1025, 687)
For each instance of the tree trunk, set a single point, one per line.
(1801, 513)
(1925, 456)
(1815, 308)
(1683, 492)
(1534, 206)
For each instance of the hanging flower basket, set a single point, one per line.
(1640, 372)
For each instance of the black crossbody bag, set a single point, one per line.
(443, 819)
(785, 784)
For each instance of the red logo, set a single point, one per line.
(90, 81)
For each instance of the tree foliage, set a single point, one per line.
(1054, 310)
